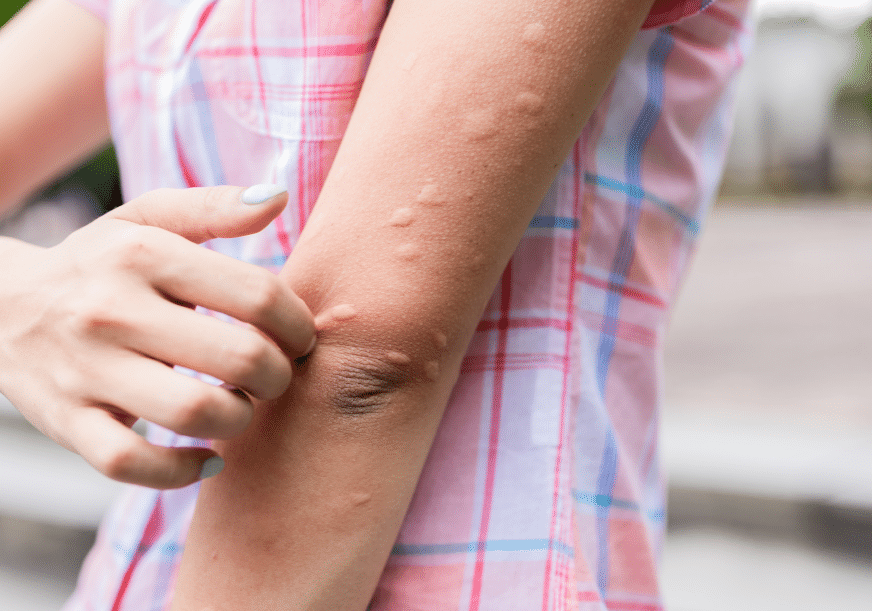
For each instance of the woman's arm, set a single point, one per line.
(53, 107)
(468, 109)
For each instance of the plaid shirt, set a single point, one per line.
(542, 490)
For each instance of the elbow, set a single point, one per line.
(366, 384)
(363, 381)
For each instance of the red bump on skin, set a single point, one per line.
(440, 339)
(409, 62)
(429, 195)
(529, 103)
(402, 217)
(534, 35)
(480, 124)
(322, 320)
(409, 251)
(398, 358)
(360, 498)
(431, 370)
(344, 311)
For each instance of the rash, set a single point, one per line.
(431, 370)
(440, 339)
(409, 252)
(360, 498)
(534, 36)
(402, 217)
(409, 62)
(398, 358)
(344, 311)
(480, 125)
(430, 195)
(529, 103)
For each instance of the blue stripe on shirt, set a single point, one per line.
(641, 132)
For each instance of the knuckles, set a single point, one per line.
(209, 210)
(71, 381)
(264, 293)
(255, 362)
(249, 356)
(120, 463)
(135, 248)
(194, 414)
(200, 414)
(94, 296)
(99, 308)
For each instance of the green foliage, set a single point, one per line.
(856, 89)
(9, 8)
(99, 176)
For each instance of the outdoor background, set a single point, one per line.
(767, 424)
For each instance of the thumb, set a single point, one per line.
(203, 213)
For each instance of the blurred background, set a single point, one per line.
(767, 424)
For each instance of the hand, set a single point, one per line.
(91, 328)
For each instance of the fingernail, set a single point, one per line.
(211, 467)
(259, 194)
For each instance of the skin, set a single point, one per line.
(90, 327)
(332, 464)
(53, 117)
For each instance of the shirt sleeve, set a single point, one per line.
(100, 8)
(667, 12)
(664, 12)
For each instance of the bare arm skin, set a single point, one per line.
(53, 107)
(467, 111)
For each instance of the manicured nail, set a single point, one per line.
(211, 467)
(260, 194)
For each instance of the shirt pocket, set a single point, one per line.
(278, 77)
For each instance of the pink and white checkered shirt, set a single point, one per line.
(542, 490)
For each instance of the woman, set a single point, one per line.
(488, 260)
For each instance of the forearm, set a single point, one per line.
(458, 132)
(53, 110)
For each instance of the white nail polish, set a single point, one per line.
(259, 194)
(211, 467)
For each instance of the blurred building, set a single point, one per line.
(803, 121)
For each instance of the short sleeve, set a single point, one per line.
(666, 12)
(100, 8)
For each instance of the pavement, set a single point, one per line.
(767, 430)
(767, 423)
(768, 392)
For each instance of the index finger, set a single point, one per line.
(198, 276)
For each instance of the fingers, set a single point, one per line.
(208, 279)
(190, 274)
(119, 453)
(152, 391)
(204, 213)
(235, 354)
(243, 291)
